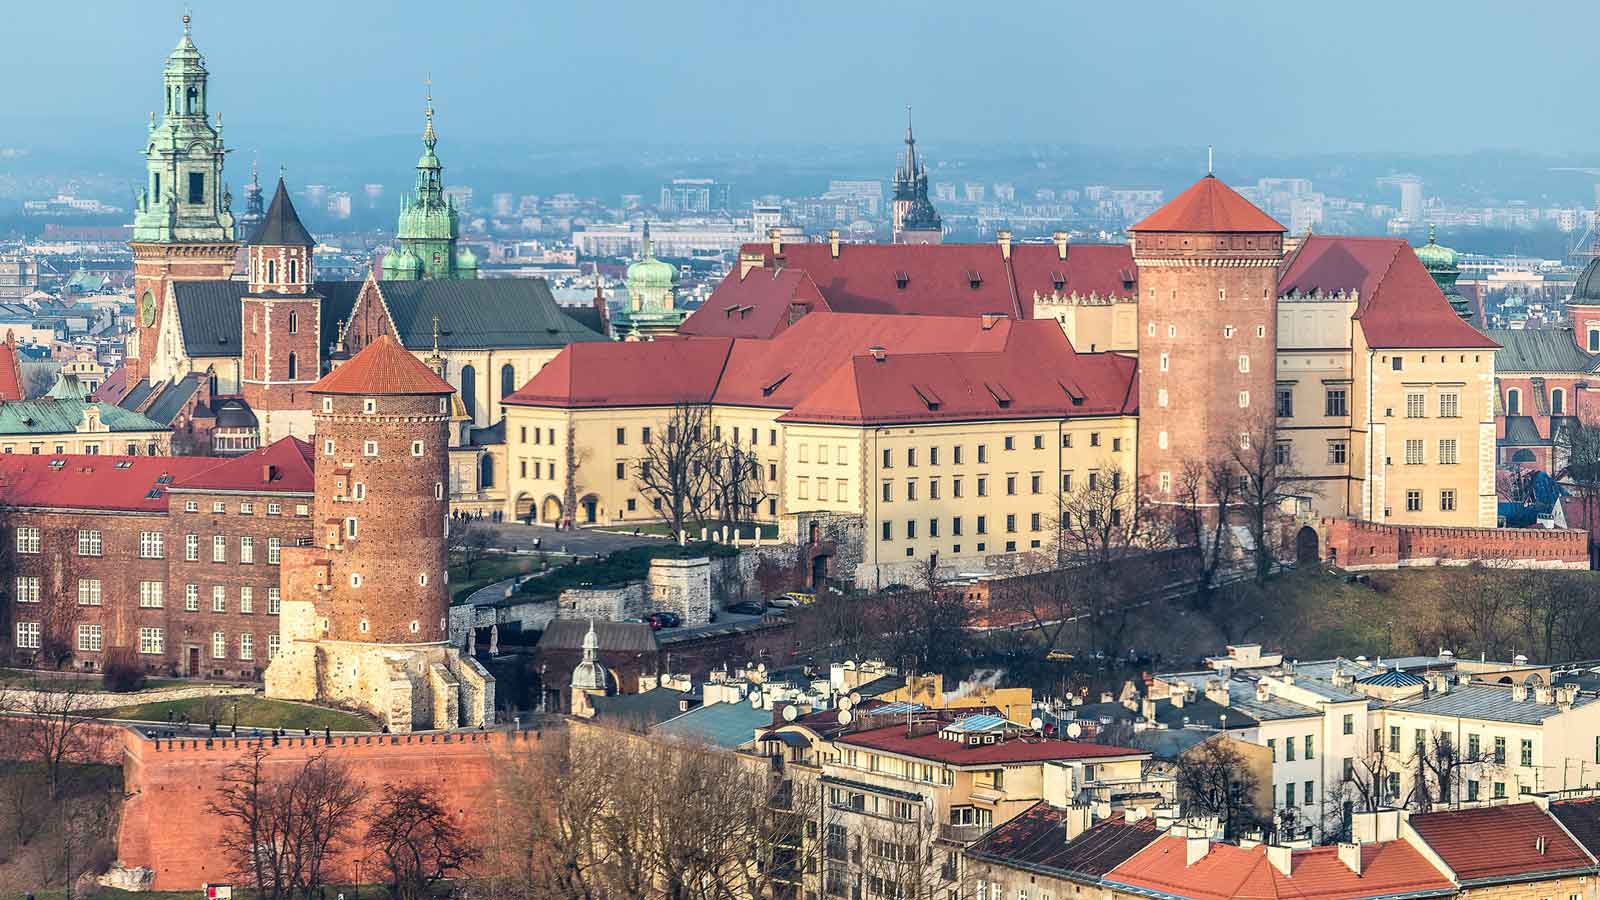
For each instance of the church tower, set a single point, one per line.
(254, 208)
(279, 348)
(429, 224)
(1208, 336)
(363, 613)
(182, 224)
(915, 219)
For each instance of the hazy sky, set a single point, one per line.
(1274, 75)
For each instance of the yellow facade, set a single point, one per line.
(1093, 324)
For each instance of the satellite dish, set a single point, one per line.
(755, 700)
(761, 668)
(1074, 730)
(791, 712)
(844, 717)
(1037, 724)
(855, 698)
(844, 701)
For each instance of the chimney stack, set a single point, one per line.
(878, 353)
(1078, 820)
(1519, 692)
(1196, 849)
(1060, 238)
(748, 261)
(833, 242)
(267, 472)
(1281, 859)
(1005, 243)
(776, 238)
(1350, 855)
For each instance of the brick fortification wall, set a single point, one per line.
(165, 826)
(1356, 544)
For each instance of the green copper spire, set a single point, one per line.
(1440, 261)
(184, 200)
(429, 224)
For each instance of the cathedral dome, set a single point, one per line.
(1586, 290)
(186, 56)
(1436, 256)
(401, 263)
(466, 259)
(651, 273)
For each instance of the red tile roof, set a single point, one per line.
(893, 739)
(1036, 376)
(96, 483)
(1500, 842)
(1399, 304)
(755, 306)
(939, 278)
(1209, 206)
(629, 373)
(10, 370)
(1227, 871)
(284, 466)
(382, 368)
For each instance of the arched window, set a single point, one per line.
(1513, 402)
(294, 320)
(294, 271)
(294, 367)
(1594, 333)
(485, 471)
(1558, 402)
(192, 102)
(508, 380)
(469, 390)
(272, 271)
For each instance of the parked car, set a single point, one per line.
(896, 588)
(662, 620)
(747, 607)
(792, 599)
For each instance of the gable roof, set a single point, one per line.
(210, 320)
(62, 415)
(644, 709)
(284, 466)
(681, 370)
(480, 313)
(726, 725)
(940, 279)
(281, 227)
(1036, 841)
(1227, 871)
(382, 368)
(1551, 350)
(1497, 843)
(1399, 305)
(1210, 207)
(129, 484)
(615, 637)
(1490, 703)
(1581, 819)
(757, 305)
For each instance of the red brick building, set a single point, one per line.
(176, 557)
(281, 343)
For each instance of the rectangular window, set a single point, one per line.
(933, 528)
(247, 649)
(28, 635)
(1472, 790)
(89, 592)
(1337, 451)
(983, 525)
(804, 488)
(191, 547)
(27, 540)
(1036, 483)
(191, 598)
(1281, 453)
(197, 187)
(1450, 406)
(955, 488)
(272, 645)
(27, 589)
(1288, 749)
(911, 529)
(1499, 790)
(1500, 751)
(933, 488)
(274, 601)
(1416, 405)
(1288, 794)
(151, 595)
(622, 436)
(1526, 758)
(219, 599)
(1011, 485)
(89, 543)
(1034, 522)
(151, 545)
(1447, 452)
(1010, 442)
(888, 531)
(911, 489)
(1447, 500)
(152, 640)
(955, 526)
(1310, 798)
(911, 456)
(219, 645)
(1285, 402)
(983, 486)
(247, 599)
(1394, 738)
(1414, 452)
(247, 550)
(274, 550)
(1011, 523)
(1334, 405)
(933, 455)
(1349, 723)
(1413, 501)
(1310, 742)
(622, 470)
(91, 638)
(219, 548)
(888, 492)
(888, 460)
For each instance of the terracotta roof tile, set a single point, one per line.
(1388, 869)
(629, 373)
(383, 367)
(96, 483)
(10, 370)
(755, 306)
(1036, 839)
(1209, 206)
(1500, 842)
(284, 466)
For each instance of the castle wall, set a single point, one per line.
(1355, 544)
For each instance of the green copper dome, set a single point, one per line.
(1436, 256)
(649, 272)
(466, 259)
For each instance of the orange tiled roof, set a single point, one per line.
(1227, 871)
(1209, 206)
(10, 370)
(382, 368)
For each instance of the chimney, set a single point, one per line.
(1147, 709)
(1078, 820)
(1180, 693)
(1060, 238)
(1005, 243)
(1262, 694)
(1342, 679)
(776, 238)
(1543, 694)
(1196, 849)
(268, 472)
(833, 242)
(748, 261)
(878, 353)
(1217, 691)
(1105, 697)
(989, 320)
(683, 704)
(1350, 855)
(1281, 859)
(1519, 692)
(1438, 683)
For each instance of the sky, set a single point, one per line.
(1277, 77)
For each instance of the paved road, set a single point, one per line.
(586, 542)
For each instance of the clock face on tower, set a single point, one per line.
(147, 309)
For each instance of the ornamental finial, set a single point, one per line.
(428, 136)
(1433, 230)
(435, 334)
(186, 13)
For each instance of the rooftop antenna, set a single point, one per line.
(1209, 160)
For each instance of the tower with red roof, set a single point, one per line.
(1208, 263)
(364, 611)
(280, 349)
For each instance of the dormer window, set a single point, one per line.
(1059, 281)
(901, 279)
(974, 280)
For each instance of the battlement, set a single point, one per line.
(303, 745)
(1359, 544)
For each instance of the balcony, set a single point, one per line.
(960, 834)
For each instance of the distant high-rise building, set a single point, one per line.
(1410, 187)
(915, 219)
(339, 205)
(944, 192)
(502, 205)
(693, 195)
(374, 194)
(974, 192)
(868, 195)
(1005, 192)
(316, 194)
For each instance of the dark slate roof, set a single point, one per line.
(480, 313)
(1586, 290)
(492, 434)
(1581, 818)
(646, 709)
(1489, 703)
(1202, 713)
(136, 397)
(172, 400)
(615, 637)
(1394, 678)
(1036, 841)
(233, 412)
(209, 313)
(281, 227)
(1522, 432)
(1540, 350)
(1094, 712)
(587, 316)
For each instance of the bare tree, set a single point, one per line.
(249, 843)
(574, 459)
(927, 624)
(1205, 496)
(472, 542)
(1215, 779)
(415, 841)
(60, 729)
(1268, 481)
(737, 482)
(675, 472)
(1577, 466)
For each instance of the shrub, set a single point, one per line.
(123, 672)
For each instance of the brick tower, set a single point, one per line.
(182, 224)
(363, 614)
(1208, 264)
(280, 350)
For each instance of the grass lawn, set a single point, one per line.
(254, 712)
(487, 572)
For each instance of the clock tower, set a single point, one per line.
(182, 224)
